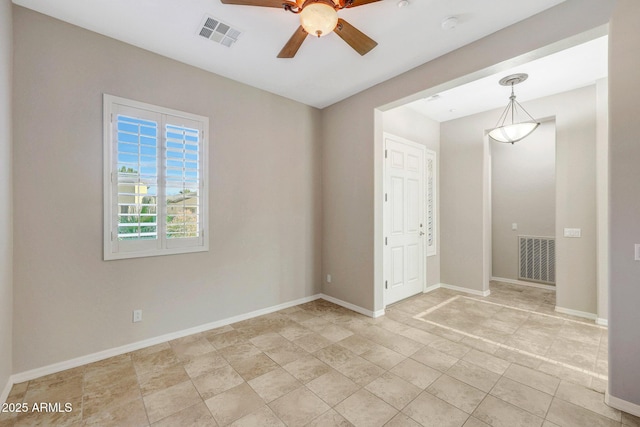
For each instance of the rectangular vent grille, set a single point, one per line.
(217, 31)
(537, 259)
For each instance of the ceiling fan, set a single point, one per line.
(318, 18)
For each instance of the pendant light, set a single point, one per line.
(515, 130)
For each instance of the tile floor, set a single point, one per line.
(438, 359)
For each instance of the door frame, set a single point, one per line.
(385, 208)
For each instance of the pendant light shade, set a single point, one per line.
(515, 129)
(318, 18)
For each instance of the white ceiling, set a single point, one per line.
(569, 69)
(325, 70)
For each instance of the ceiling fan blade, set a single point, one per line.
(356, 3)
(354, 37)
(264, 3)
(291, 48)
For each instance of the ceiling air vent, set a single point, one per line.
(217, 31)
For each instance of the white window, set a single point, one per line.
(155, 170)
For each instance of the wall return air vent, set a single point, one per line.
(215, 30)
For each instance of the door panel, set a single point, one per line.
(404, 258)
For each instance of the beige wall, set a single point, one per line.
(602, 195)
(352, 141)
(462, 208)
(624, 158)
(265, 202)
(523, 189)
(411, 125)
(6, 200)
(464, 162)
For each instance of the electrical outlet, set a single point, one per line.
(328, 278)
(137, 316)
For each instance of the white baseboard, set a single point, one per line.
(116, 351)
(524, 283)
(6, 391)
(466, 290)
(623, 405)
(602, 322)
(353, 307)
(431, 288)
(576, 313)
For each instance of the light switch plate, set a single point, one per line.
(637, 247)
(514, 226)
(572, 232)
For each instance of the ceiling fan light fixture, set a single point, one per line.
(318, 18)
(516, 130)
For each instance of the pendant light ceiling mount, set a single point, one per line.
(516, 130)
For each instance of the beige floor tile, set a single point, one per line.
(487, 361)
(238, 352)
(171, 400)
(393, 390)
(454, 349)
(532, 378)
(588, 399)
(330, 419)
(522, 396)
(548, 423)
(360, 371)
(294, 331)
(560, 371)
(268, 340)
(312, 342)
(149, 350)
(185, 351)
(566, 414)
(333, 387)
(479, 344)
(420, 336)
(434, 358)
(130, 414)
(335, 333)
(217, 381)
(428, 410)
(263, 417)
(286, 353)
(519, 358)
(364, 409)
(383, 357)
(125, 390)
(401, 420)
(473, 375)
(298, 407)
(254, 366)
(357, 344)
(153, 381)
(575, 353)
(334, 355)
(197, 415)
(204, 363)
(499, 413)
(416, 373)
(274, 384)
(227, 338)
(474, 422)
(630, 420)
(461, 395)
(233, 404)
(62, 388)
(155, 361)
(307, 368)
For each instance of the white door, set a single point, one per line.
(404, 260)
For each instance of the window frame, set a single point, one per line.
(431, 205)
(113, 247)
